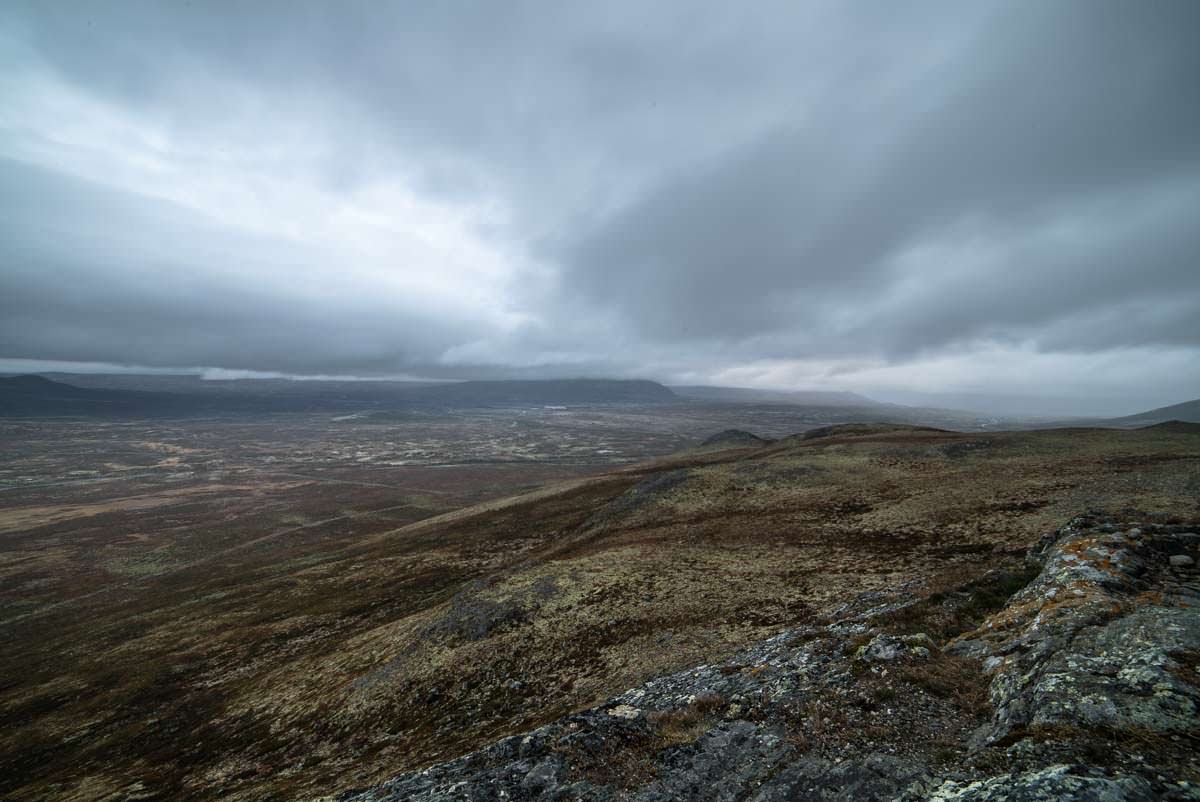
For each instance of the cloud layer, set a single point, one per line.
(821, 194)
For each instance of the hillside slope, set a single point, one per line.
(894, 697)
(281, 668)
(1188, 412)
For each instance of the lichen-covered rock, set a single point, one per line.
(1050, 784)
(1102, 637)
(884, 648)
(720, 766)
(814, 780)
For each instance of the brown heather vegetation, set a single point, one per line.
(268, 632)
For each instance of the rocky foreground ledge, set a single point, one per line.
(1083, 685)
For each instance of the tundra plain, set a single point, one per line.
(288, 606)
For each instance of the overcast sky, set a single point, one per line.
(921, 197)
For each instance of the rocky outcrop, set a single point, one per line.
(1107, 636)
(867, 429)
(1090, 671)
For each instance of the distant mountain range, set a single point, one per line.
(129, 395)
(166, 396)
(195, 384)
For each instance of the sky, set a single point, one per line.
(921, 200)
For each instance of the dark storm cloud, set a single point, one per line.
(1034, 123)
(676, 189)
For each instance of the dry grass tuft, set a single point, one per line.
(686, 724)
(708, 704)
(950, 677)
